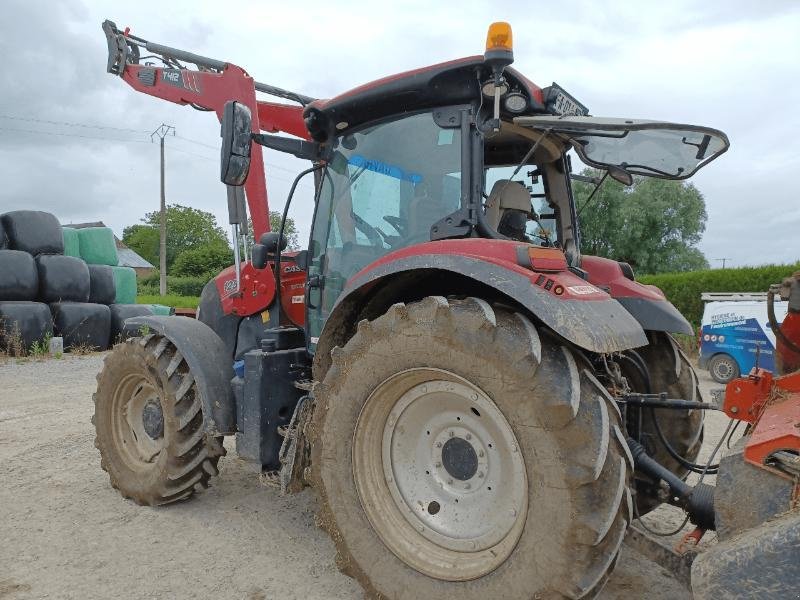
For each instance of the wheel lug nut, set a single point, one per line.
(449, 482)
(451, 434)
(438, 465)
(480, 453)
(438, 444)
(468, 436)
(467, 486)
(480, 474)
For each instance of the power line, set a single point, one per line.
(199, 143)
(112, 139)
(71, 124)
(724, 261)
(180, 137)
(75, 135)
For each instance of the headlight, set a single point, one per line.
(516, 102)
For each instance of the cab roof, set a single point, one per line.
(444, 84)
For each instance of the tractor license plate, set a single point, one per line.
(562, 103)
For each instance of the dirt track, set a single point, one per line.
(64, 533)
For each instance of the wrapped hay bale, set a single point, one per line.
(119, 312)
(63, 279)
(161, 310)
(19, 278)
(82, 325)
(97, 246)
(102, 289)
(33, 231)
(125, 281)
(72, 244)
(22, 324)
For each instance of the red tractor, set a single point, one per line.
(481, 410)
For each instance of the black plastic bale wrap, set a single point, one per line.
(19, 278)
(22, 324)
(33, 231)
(63, 279)
(102, 290)
(119, 312)
(82, 324)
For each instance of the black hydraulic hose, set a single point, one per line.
(283, 229)
(695, 468)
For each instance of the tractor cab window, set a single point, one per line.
(517, 207)
(518, 201)
(384, 188)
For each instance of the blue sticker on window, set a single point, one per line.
(383, 168)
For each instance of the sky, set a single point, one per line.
(75, 140)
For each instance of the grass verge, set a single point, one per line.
(175, 301)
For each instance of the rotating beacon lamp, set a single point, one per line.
(499, 54)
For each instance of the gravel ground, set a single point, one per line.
(64, 533)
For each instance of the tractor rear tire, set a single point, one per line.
(670, 371)
(149, 424)
(442, 401)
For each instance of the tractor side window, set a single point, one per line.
(539, 225)
(385, 187)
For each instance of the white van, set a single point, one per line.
(735, 335)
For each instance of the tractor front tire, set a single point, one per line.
(457, 453)
(149, 424)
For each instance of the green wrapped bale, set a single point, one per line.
(97, 246)
(161, 310)
(125, 282)
(72, 244)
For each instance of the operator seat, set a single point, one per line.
(507, 196)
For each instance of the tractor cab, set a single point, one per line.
(467, 149)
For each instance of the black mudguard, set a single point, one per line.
(657, 315)
(209, 362)
(597, 326)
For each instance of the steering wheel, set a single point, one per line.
(373, 234)
(400, 224)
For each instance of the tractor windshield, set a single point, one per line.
(384, 188)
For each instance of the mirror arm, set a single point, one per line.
(300, 148)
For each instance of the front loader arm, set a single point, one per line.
(208, 88)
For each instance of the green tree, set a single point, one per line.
(142, 239)
(205, 261)
(187, 229)
(655, 225)
(290, 231)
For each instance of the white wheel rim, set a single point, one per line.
(724, 369)
(138, 448)
(440, 474)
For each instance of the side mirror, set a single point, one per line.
(236, 132)
(619, 174)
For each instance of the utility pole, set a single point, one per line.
(723, 261)
(162, 132)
